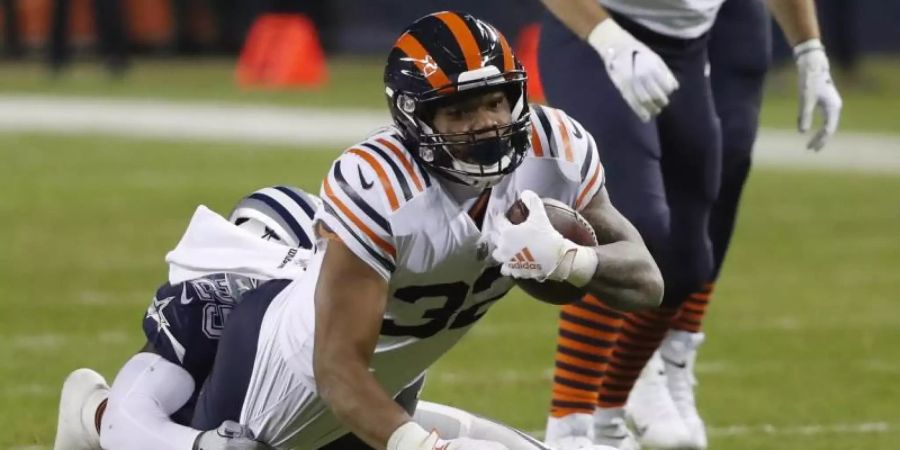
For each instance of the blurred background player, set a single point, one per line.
(739, 56)
(216, 266)
(652, 62)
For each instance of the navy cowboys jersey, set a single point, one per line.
(184, 321)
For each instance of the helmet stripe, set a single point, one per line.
(411, 46)
(508, 63)
(286, 216)
(464, 38)
(304, 204)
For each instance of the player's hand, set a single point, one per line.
(229, 436)
(533, 249)
(639, 74)
(816, 90)
(411, 436)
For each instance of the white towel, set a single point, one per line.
(211, 244)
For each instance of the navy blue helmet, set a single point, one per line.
(443, 57)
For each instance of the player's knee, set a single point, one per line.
(114, 432)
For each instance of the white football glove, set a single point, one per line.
(639, 74)
(229, 436)
(533, 249)
(816, 89)
(411, 436)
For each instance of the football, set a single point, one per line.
(573, 227)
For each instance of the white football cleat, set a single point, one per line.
(652, 413)
(679, 353)
(611, 430)
(570, 432)
(82, 393)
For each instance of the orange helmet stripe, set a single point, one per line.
(426, 64)
(508, 63)
(464, 38)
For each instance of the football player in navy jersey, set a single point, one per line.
(642, 87)
(217, 265)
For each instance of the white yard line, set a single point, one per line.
(338, 128)
(790, 430)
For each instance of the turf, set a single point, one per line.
(356, 82)
(804, 329)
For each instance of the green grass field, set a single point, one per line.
(804, 332)
(356, 82)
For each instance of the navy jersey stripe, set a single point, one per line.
(381, 259)
(288, 218)
(404, 184)
(548, 131)
(357, 200)
(415, 160)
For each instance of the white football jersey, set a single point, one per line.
(683, 19)
(398, 218)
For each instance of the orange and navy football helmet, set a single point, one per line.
(448, 54)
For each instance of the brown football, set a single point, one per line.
(573, 227)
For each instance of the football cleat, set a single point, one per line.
(611, 430)
(652, 414)
(83, 391)
(679, 353)
(572, 431)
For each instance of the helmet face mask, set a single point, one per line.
(470, 63)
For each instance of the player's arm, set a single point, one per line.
(619, 270)
(639, 74)
(625, 275)
(350, 301)
(797, 19)
(580, 16)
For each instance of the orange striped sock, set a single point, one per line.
(690, 316)
(587, 331)
(640, 336)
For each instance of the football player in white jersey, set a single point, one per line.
(415, 247)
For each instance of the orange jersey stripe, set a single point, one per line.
(565, 135)
(536, 142)
(384, 245)
(508, 63)
(464, 38)
(382, 176)
(589, 186)
(413, 49)
(406, 163)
